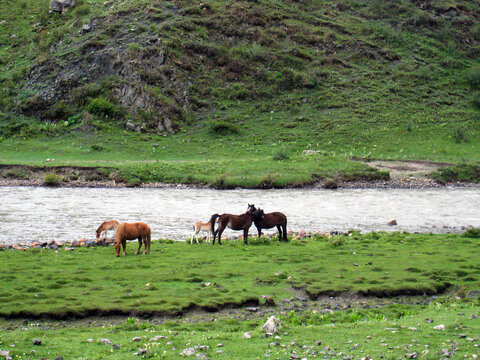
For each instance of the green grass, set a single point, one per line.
(241, 83)
(377, 264)
(376, 335)
(92, 281)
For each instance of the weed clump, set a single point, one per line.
(223, 128)
(102, 107)
(472, 233)
(52, 179)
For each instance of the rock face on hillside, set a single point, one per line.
(61, 5)
(129, 70)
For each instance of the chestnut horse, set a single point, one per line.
(234, 222)
(107, 225)
(270, 220)
(132, 231)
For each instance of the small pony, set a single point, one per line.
(199, 226)
(132, 231)
(234, 222)
(270, 220)
(107, 225)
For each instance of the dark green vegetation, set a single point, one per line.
(246, 86)
(179, 277)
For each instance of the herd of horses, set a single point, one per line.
(142, 232)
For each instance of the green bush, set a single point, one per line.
(17, 174)
(280, 155)
(461, 172)
(223, 128)
(473, 77)
(472, 233)
(52, 179)
(102, 107)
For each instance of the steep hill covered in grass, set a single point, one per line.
(390, 79)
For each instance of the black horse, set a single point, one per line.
(234, 222)
(270, 220)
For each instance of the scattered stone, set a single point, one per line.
(392, 222)
(219, 345)
(252, 309)
(440, 327)
(295, 356)
(90, 340)
(247, 335)
(59, 358)
(318, 342)
(413, 328)
(462, 336)
(136, 339)
(429, 321)
(116, 346)
(473, 316)
(158, 337)
(272, 325)
(61, 5)
(188, 352)
(142, 351)
(413, 355)
(86, 28)
(37, 342)
(4, 353)
(105, 341)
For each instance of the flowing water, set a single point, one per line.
(29, 214)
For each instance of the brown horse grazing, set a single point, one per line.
(234, 222)
(270, 220)
(126, 231)
(107, 225)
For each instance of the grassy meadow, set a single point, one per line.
(245, 86)
(390, 290)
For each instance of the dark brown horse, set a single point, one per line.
(234, 222)
(132, 231)
(270, 220)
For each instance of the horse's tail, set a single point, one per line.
(212, 221)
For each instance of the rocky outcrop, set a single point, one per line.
(61, 5)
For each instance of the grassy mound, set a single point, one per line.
(178, 277)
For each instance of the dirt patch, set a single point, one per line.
(406, 169)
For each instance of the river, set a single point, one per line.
(29, 214)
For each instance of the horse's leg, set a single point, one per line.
(279, 233)
(139, 244)
(209, 237)
(259, 229)
(147, 241)
(245, 236)
(284, 227)
(124, 245)
(219, 232)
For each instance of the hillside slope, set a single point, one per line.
(370, 79)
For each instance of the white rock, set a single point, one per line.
(188, 352)
(247, 335)
(272, 325)
(439, 327)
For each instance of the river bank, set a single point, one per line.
(402, 175)
(398, 183)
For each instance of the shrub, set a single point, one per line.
(473, 77)
(472, 233)
(280, 155)
(460, 172)
(459, 135)
(101, 107)
(52, 179)
(223, 128)
(17, 174)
